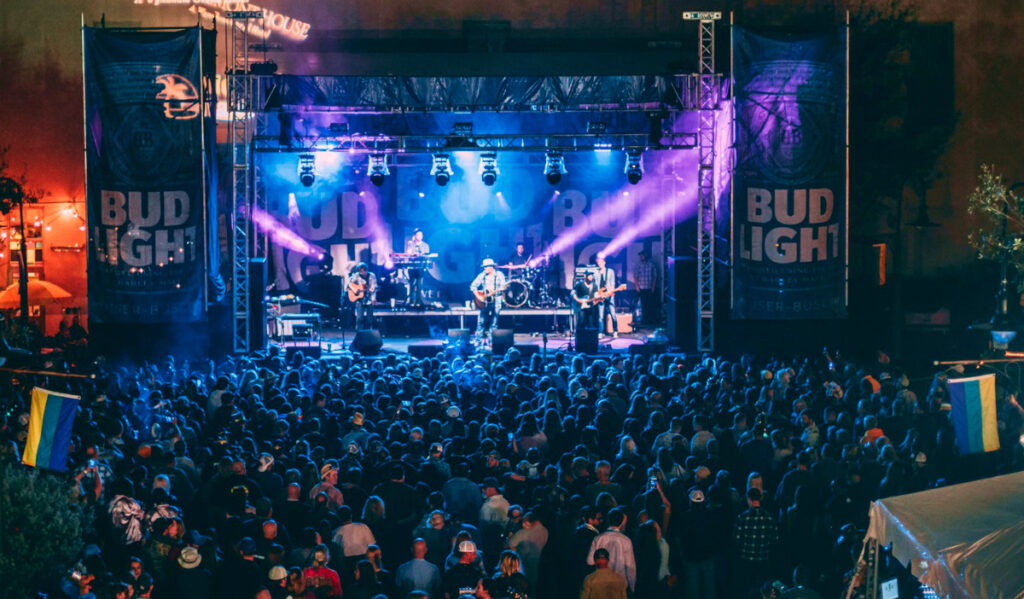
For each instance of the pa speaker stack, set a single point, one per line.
(367, 342)
(502, 340)
(586, 340)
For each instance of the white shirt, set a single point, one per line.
(494, 510)
(353, 538)
(620, 554)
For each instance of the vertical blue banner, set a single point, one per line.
(144, 175)
(789, 199)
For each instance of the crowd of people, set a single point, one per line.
(562, 475)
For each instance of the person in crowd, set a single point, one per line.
(618, 545)
(604, 582)
(464, 577)
(351, 539)
(418, 573)
(322, 580)
(509, 580)
(756, 533)
(528, 544)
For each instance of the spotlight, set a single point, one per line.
(554, 166)
(489, 168)
(307, 169)
(634, 166)
(442, 169)
(378, 169)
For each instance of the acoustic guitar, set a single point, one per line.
(483, 298)
(356, 292)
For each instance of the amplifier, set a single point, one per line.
(295, 325)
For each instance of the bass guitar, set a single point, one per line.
(600, 295)
(483, 298)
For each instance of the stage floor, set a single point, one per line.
(335, 341)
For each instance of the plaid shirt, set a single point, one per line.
(756, 532)
(645, 274)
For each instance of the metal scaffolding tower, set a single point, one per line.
(708, 105)
(241, 105)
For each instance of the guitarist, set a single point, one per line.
(583, 307)
(362, 291)
(605, 279)
(487, 287)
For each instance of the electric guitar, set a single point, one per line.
(599, 296)
(483, 298)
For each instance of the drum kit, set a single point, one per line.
(528, 286)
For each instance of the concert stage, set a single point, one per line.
(425, 332)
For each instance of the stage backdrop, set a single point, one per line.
(789, 201)
(594, 208)
(144, 175)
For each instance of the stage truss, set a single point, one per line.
(248, 134)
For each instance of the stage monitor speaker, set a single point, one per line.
(502, 340)
(367, 342)
(257, 309)
(459, 335)
(460, 341)
(681, 307)
(424, 350)
(309, 351)
(647, 349)
(586, 340)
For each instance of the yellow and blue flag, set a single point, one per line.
(49, 429)
(973, 402)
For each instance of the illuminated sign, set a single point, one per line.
(706, 15)
(272, 21)
(181, 101)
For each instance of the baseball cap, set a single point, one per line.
(277, 573)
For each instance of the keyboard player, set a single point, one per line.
(418, 247)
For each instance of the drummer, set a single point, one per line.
(518, 261)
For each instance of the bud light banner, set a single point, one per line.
(144, 177)
(789, 196)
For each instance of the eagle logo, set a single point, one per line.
(181, 101)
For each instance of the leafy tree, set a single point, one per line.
(1000, 221)
(41, 529)
(13, 194)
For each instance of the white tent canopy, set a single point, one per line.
(966, 541)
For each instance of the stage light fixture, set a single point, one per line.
(307, 169)
(554, 166)
(489, 168)
(634, 166)
(442, 169)
(378, 169)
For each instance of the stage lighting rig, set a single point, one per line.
(378, 169)
(442, 169)
(634, 166)
(307, 169)
(554, 166)
(489, 168)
